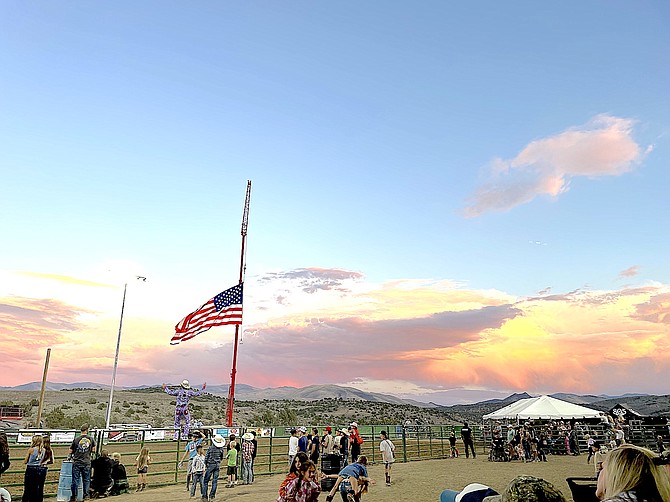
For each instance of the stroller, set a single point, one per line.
(498, 452)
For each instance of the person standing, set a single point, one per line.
(81, 449)
(47, 459)
(190, 451)
(466, 436)
(142, 462)
(344, 446)
(213, 460)
(254, 441)
(247, 458)
(355, 441)
(327, 441)
(4, 453)
(314, 445)
(453, 451)
(231, 463)
(33, 475)
(198, 471)
(183, 395)
(387, 448)
(659, 444)
(292, 446)
(303, 442)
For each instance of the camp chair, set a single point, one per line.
(583, 489)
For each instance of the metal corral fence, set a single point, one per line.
(412, 443)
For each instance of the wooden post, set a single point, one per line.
(44, 384)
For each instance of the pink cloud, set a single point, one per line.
(630, 271)
(602, 147)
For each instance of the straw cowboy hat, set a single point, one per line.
(185, 384)
(219, 441)
(247, 436)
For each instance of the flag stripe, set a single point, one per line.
(225, 308)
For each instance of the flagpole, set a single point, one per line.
(108, 416)
(233, 372)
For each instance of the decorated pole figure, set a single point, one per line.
(183, 393)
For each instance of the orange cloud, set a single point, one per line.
(431, 335)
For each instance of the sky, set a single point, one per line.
(451, 201)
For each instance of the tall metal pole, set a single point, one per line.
(231, 389)
(116, 360)
(44, 384)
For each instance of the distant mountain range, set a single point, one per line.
(642, 403)
(245, 392)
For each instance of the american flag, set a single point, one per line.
(224, 308)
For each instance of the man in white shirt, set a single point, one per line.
(292, 446)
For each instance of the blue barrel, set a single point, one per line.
(65, 484)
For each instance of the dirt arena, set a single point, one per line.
(412, 481)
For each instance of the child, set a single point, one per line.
(142, 462)
(520, 452)
(198, 471)
(387, 448)
(452, 445)
(119, 475)
(232, 462)
(303, 488)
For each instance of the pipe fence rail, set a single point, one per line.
(412, 443)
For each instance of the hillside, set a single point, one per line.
(70, 408)
(317, 404)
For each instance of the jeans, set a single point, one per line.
(345, 487)
(213, 473)
(247, 472)
(196, 480)
(85, 472)
(345, 458)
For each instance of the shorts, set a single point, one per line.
(232, 470)
(143, 470)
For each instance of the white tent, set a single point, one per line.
(542, 407)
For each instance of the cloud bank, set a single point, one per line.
(438, 338)
(602, 147)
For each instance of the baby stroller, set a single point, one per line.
(498, 451)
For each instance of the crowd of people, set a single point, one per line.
(628, 474)
(624, 472)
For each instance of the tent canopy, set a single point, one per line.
(542, 407)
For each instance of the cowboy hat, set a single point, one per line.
(247, 436)
(185, 384)
(219, 441)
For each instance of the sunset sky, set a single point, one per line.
(451, 200)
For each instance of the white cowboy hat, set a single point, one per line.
(247, 436)
(185, 384)
(219, 441)
(354, 424)
(344, 431)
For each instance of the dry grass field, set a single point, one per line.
(413, 481)
(419, 480)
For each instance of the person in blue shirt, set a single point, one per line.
(352, 481)
(303, 440)
(191, 451)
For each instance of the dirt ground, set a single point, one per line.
(411, 481)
